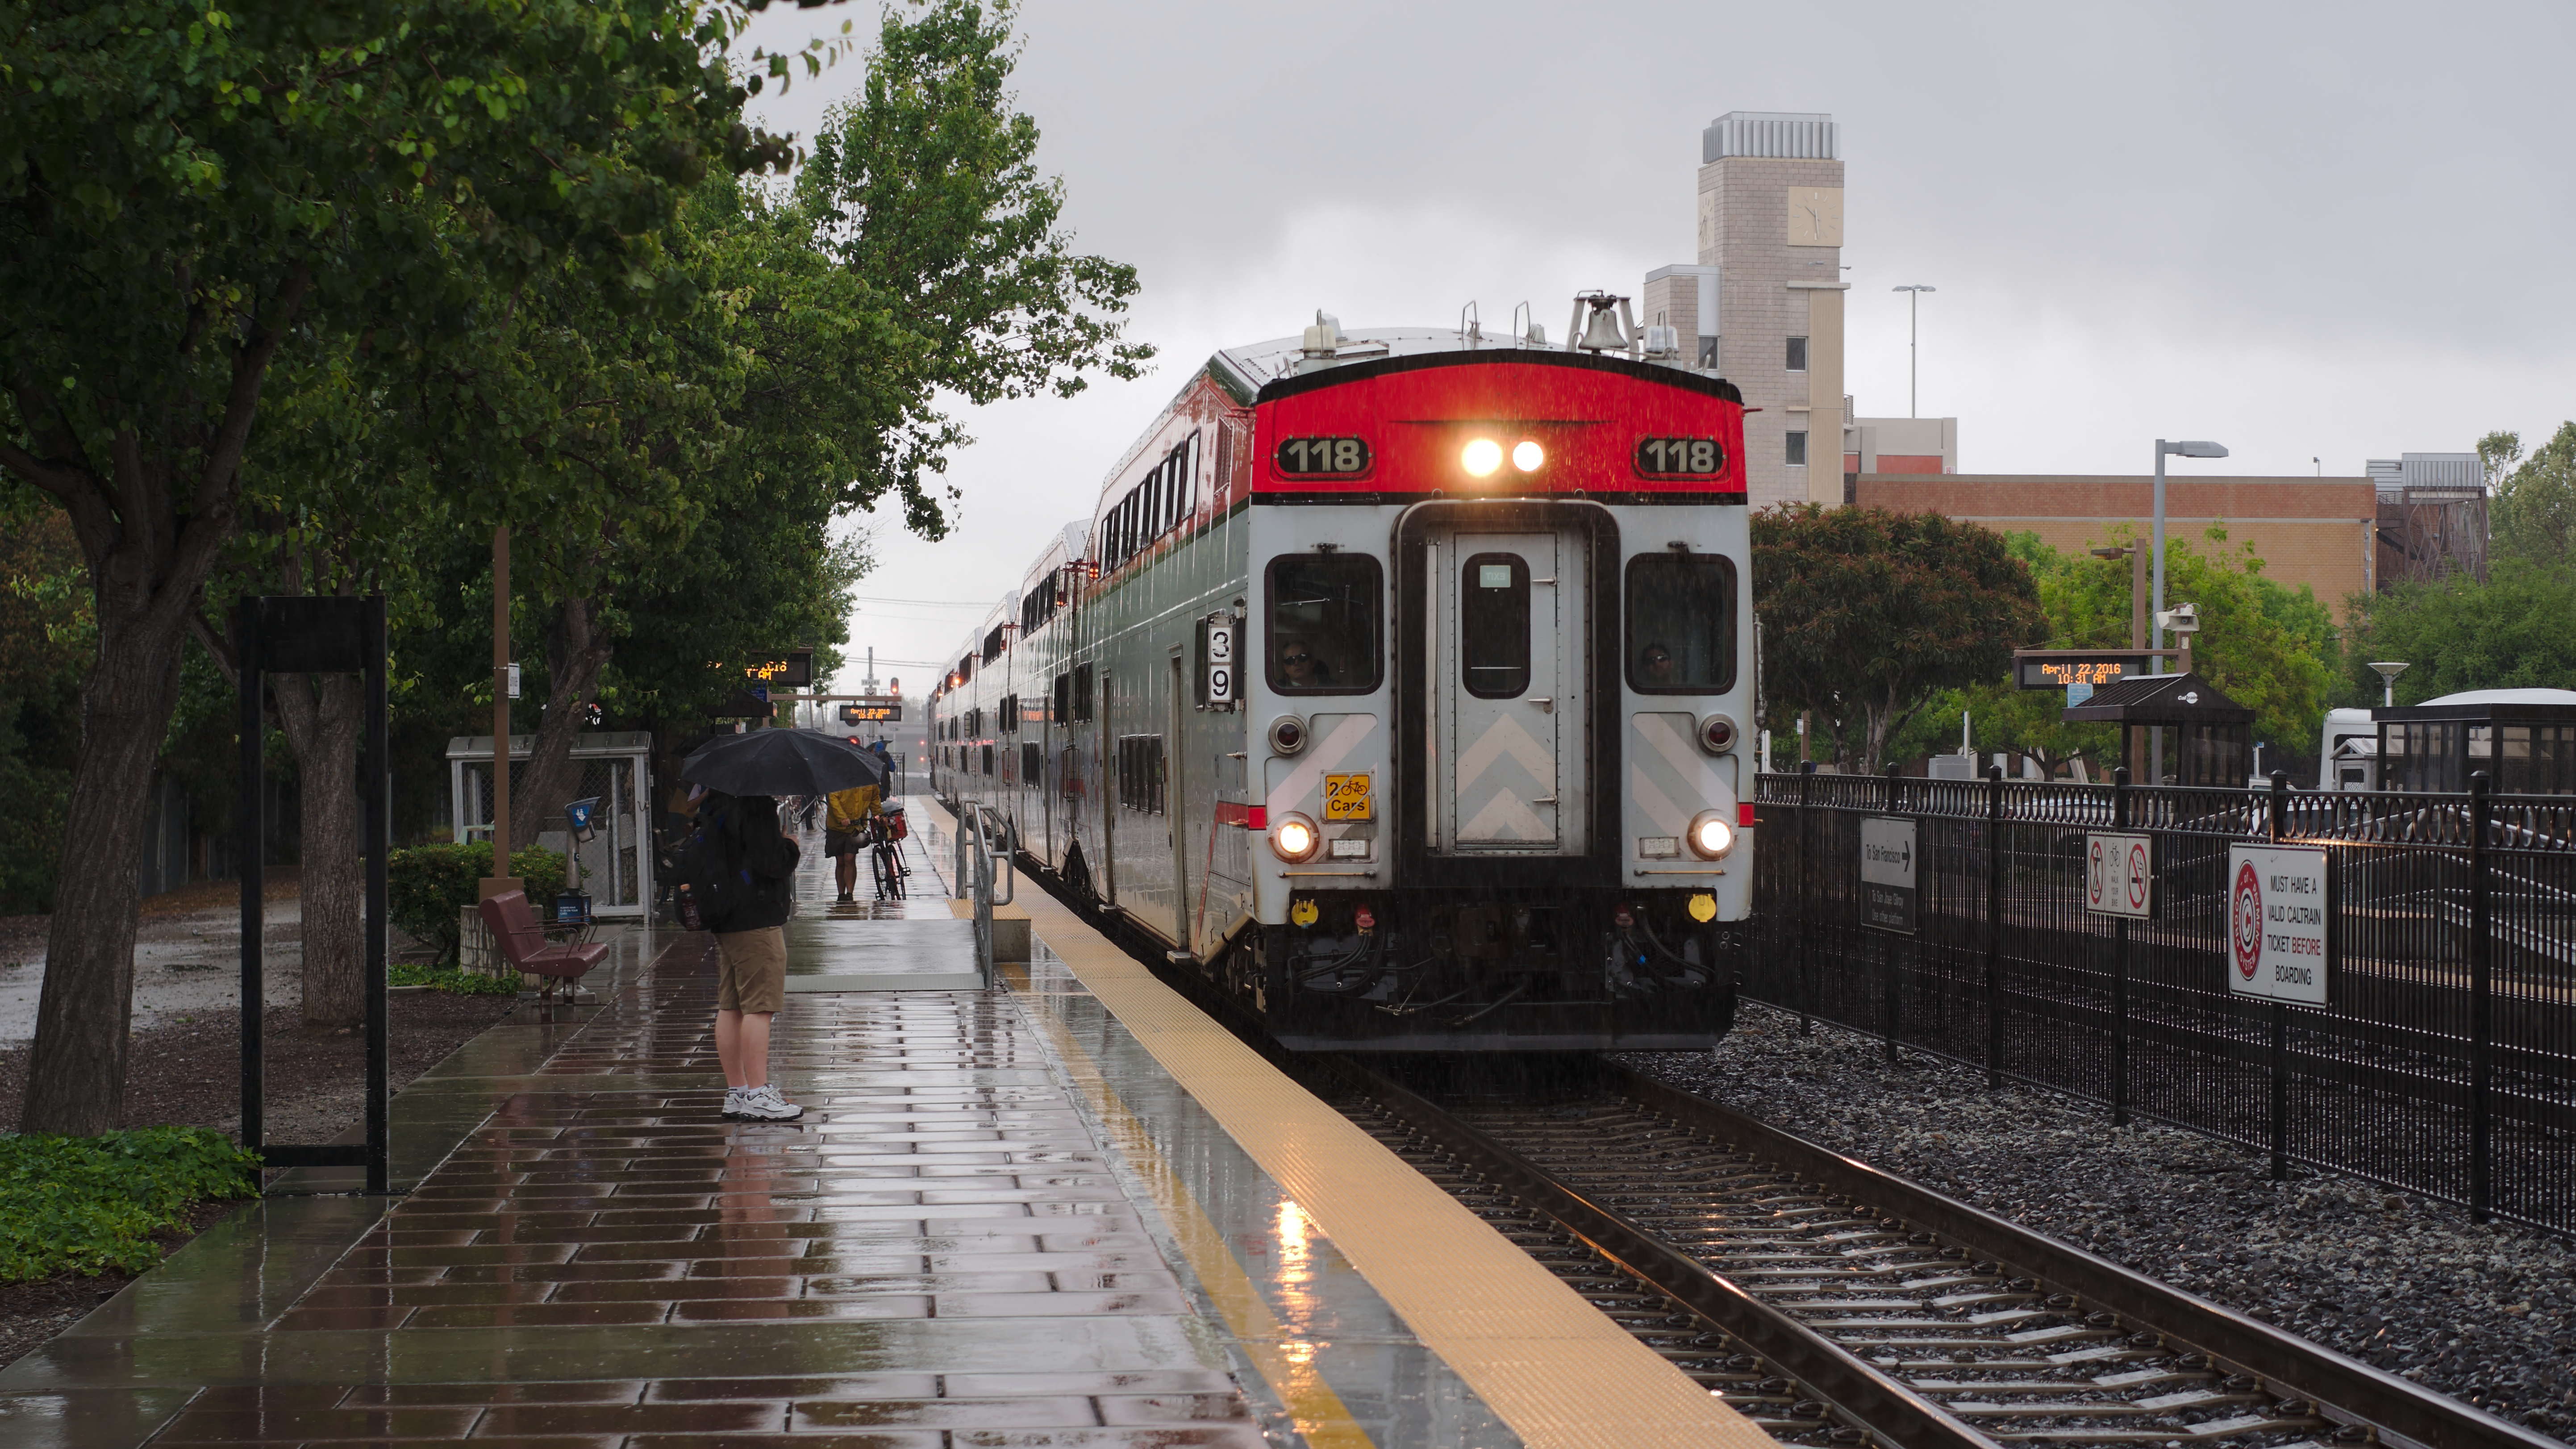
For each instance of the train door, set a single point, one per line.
(1506, 693)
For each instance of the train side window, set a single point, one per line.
(1324, 629)
(1082, 693)
(1681, 623)
(1494, 625)
(1063, 699)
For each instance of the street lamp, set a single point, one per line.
(2388, 672)
(2165, 450)
(2137, 557)
(1912, 380)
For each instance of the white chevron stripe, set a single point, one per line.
(1505, 737)
(1668, 817)
(1327, 752)
(1505, 818)
(1672, 743)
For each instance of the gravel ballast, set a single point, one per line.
(2485, 1312)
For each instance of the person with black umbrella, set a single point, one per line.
(744, 775)
(751, 950)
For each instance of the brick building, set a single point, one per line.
(2320, 532)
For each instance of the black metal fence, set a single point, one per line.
(2445, 1063)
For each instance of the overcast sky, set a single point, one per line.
(2331, 231)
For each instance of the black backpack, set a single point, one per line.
(709, 889)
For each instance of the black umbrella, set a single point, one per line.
(781, 762)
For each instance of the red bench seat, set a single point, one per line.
(523, 942)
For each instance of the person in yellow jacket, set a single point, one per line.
(841, 835)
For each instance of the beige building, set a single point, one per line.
(2314, 531)
(1770, 258)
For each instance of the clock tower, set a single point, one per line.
(1770, 271)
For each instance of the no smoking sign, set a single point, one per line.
(2120, 875)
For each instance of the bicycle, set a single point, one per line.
(885, 857)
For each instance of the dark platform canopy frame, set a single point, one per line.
(307, 634)
(2215, 734)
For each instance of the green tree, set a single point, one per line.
(2267, 647)
(186, 196)
(47, 637)
(2535, 504)
(2516, 631)
(1867, 614)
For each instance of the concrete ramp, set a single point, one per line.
(827, 953)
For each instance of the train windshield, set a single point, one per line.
(1681, 623)
(1324, 623)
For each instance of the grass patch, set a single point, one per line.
(92, 1204)
(453, 980)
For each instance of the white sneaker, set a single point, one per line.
(761, 1104)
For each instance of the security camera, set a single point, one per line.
(2180, 619)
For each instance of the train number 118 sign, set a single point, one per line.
(2278, 935)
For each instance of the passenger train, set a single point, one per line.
(1395, 685)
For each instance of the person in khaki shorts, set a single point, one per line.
(751, 952)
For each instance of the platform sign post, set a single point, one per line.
(2279, 936)
(1887, 861)
(2119, 875)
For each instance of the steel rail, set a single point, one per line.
(1874, 1401)
(2404, 1414)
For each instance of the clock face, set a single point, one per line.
(1815, 216)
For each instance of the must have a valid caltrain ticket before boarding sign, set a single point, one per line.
(2280, 923)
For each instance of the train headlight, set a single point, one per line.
(1526, 456)
(1711, 834)
(1287, 735)
(1294, 837)
(1717, 734)
(1481, 457)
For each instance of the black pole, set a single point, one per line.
(2481, 1004)
(2119, 968)
(376, 781)
(253, 828)
(1806, 904)
(2280, 1013)
(1894, 1003)
(1994, 925)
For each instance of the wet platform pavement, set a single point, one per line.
(1001, 1223)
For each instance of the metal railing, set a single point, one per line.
(2445, 1062)
(982, 838)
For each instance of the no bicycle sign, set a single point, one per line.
(2279, 924)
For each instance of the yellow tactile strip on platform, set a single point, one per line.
(1550, 1365)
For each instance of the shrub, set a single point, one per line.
(453, 980)
(92, 1204)
(426, 885)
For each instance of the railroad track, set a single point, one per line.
(1836, 1305)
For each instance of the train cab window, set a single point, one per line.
(1324, 634)
(1681, 623)
(1494, 625)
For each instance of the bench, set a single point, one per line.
(522, 942)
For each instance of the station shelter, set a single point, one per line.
(2179, 726)
(2524, 739)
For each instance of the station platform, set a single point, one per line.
(1068, 1211)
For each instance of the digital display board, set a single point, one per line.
(883, 710)
(794, 670)
(2057, 669)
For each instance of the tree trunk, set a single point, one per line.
(76, 1074)
(576, 654)
(322, 717)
